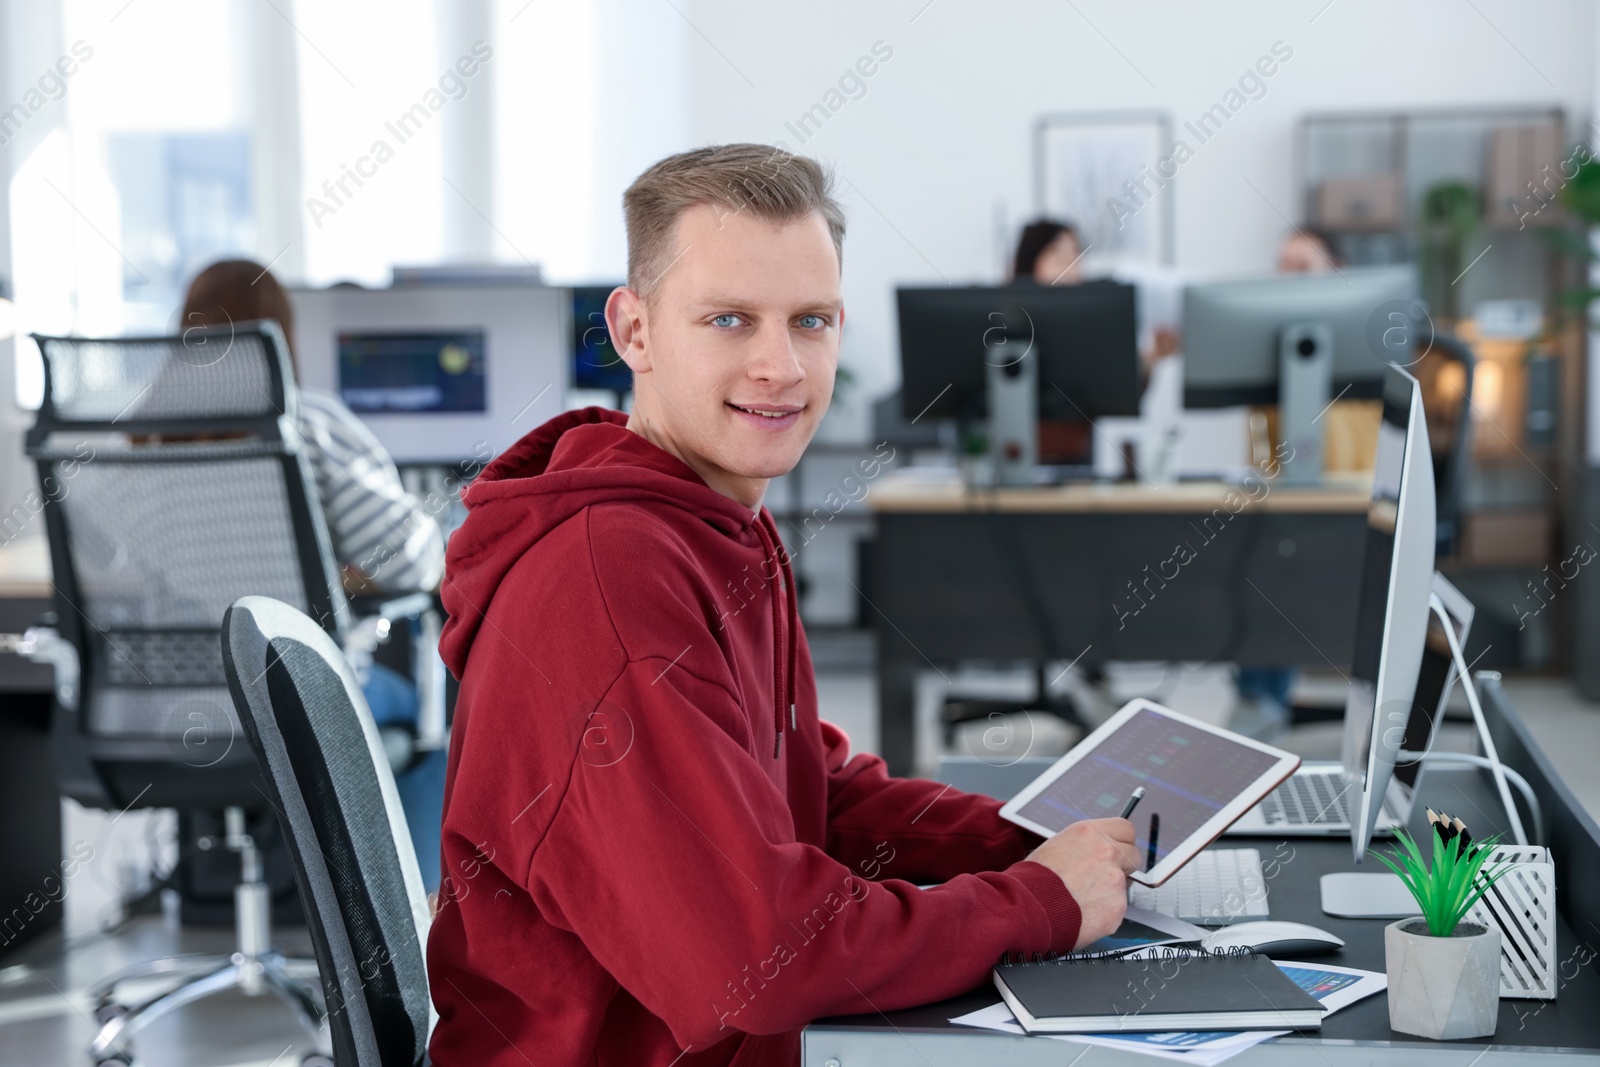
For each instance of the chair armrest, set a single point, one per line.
(432, 730)
(42, 644)
(404, 607)
(372, 630)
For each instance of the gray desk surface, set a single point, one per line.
(923, 1037)
(25, 595)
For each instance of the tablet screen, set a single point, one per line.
(1188, 775)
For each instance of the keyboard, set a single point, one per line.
(1310, 798)
(1217, 887)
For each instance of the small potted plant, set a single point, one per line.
(1444, 974)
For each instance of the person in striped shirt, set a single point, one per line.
(384, 538)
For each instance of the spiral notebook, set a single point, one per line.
(1170, 989)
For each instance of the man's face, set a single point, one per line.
(735, 352)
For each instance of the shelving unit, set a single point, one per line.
(1378, 183)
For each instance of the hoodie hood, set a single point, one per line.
(578, 459)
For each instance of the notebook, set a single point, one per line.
(1170, 989)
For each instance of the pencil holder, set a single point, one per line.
(1522, 904)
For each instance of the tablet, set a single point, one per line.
(1198, 778)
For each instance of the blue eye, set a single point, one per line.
(811, 322)
(725, 321)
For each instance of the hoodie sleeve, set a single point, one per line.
(674, 860)
(911, 827)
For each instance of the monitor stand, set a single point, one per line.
(1305, 376)
(1012, 370)
(1361, 895)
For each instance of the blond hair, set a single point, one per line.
(769, 183)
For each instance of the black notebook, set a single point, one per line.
(1172, 990)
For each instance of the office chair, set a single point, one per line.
(326, 773)
(1450, 465)
(173, 482)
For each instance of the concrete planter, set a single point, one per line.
(1444, 988)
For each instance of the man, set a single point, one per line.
(1307, 250)
(1350, 433)
(656, 852)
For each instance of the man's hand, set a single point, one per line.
(1094, 859)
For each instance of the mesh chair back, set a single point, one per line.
(329, 780)
(173, 484)
(200, 376)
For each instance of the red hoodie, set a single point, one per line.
(655, 852)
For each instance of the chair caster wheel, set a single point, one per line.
(115, 1059)
(316, 1059)
(104, 1013)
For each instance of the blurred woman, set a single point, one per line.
(383, 538)
(1049, 253)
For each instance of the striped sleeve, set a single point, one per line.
(377, 527)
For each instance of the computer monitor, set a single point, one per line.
(468, 274)
(440, 374)
(382, 371)
(595, 362)
(1085, 338)
(1392, 609)
(1301, 342)
(1232, 331)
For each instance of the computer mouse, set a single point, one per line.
(1273, 938)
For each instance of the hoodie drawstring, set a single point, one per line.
(785, 627)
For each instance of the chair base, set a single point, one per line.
(960, 710)
(204, 975)
(1068, 707)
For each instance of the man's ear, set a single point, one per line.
(626, 316)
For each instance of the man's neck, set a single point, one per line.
(745, 490)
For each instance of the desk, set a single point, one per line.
(1196, 571)
(30, 806)
(25, 596)
(922, 1037)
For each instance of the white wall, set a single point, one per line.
(940, 142)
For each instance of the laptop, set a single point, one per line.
(1319, 798)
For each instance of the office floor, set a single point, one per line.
(45, 1015)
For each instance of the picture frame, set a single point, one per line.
(1101, 171)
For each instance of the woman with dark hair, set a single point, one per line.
(1048, 252)
(383, 538)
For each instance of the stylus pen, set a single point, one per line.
(1133, 801)
(1155, 832)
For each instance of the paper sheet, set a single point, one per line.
(1142, 928)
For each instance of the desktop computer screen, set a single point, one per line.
(1086, 337)
(1392, 612)
(595, 362)
(435, 371)
(1232, 331)
(439, 373)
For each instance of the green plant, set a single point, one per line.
(843, 380)
(1581, 197)
(1450, 214)
(1448, 889)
